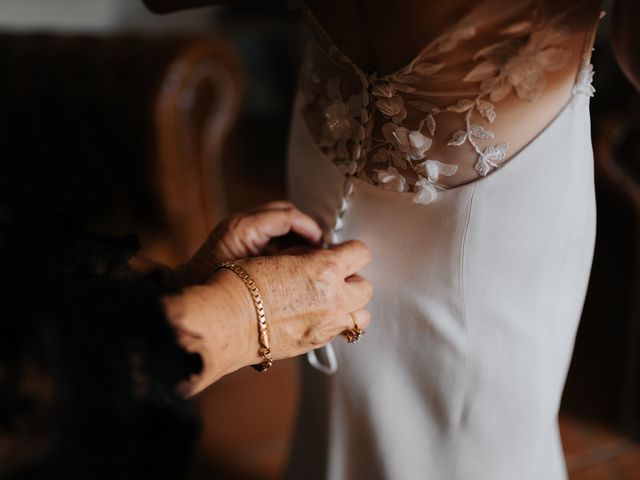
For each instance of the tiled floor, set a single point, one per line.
(249, 418)
(595, 452)
(248, 421)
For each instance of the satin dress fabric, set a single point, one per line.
(478, 297)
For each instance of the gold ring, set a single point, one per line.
(354, 334)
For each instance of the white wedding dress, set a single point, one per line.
(469, 173)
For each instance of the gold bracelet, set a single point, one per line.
(263, 334)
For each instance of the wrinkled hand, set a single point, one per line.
(246, 234)
(307, 300)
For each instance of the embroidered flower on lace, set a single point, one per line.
(451, 41)
(392, 107)
(341, 130)
(426, 187)
(383, 90)
(520, 63)
(410, 145)
(426, 192)
(584, 83)
(391, 179)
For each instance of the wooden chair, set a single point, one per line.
(139, 123)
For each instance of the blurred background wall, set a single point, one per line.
(97, 16)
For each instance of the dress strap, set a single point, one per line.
(590, 35)
(329, 364)
(584, 76)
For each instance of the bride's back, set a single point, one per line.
(465, 83)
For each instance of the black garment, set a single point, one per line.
(93, 337)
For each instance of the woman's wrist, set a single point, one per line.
(238, 311)
(216, 320)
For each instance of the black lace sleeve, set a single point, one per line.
(92, 336)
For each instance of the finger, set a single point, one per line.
(274, 205)
(358, 292)
(306, 226)
(362, 317)
(352, 256)
(276, 223)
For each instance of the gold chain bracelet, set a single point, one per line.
(263, 334)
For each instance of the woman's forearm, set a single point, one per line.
(626, 38)
(217, 321)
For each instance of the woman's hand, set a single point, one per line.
(308, 299)
(246, 234)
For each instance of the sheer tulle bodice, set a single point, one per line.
(467, 102)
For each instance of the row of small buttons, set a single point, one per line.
(356, 155)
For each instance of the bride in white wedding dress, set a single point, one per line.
(453, 138)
